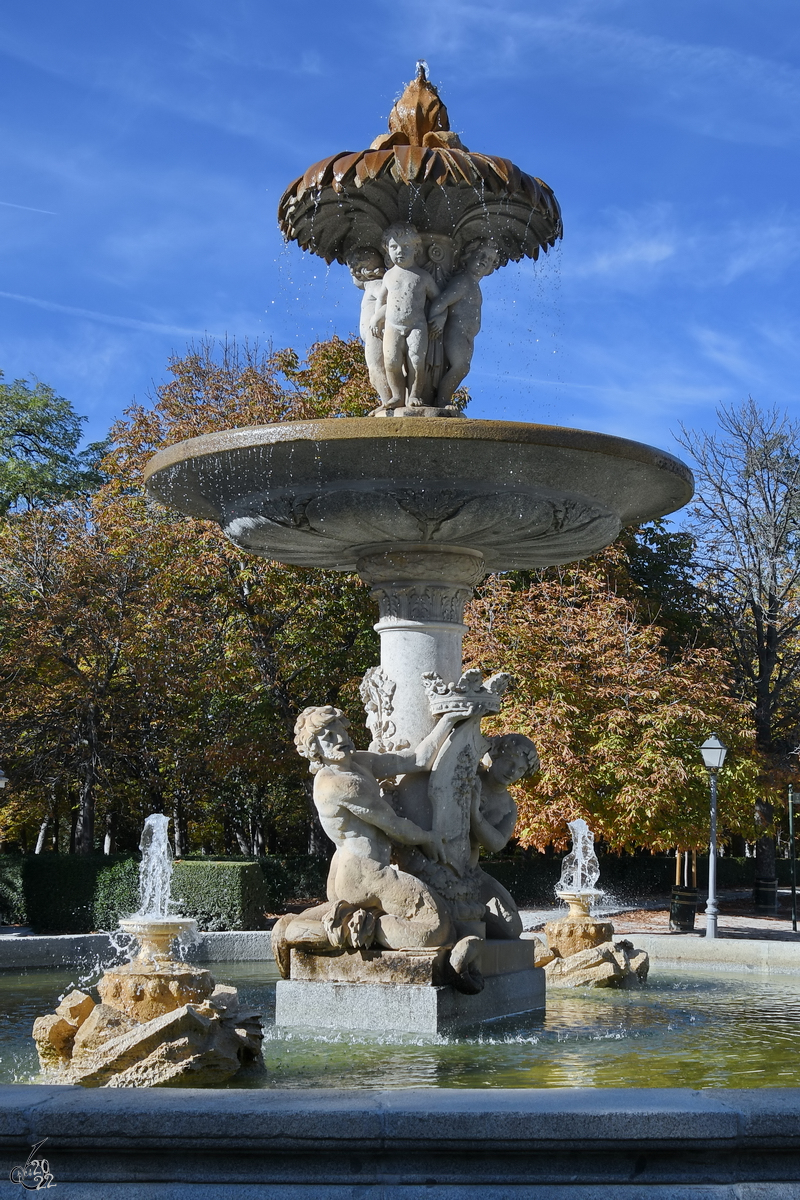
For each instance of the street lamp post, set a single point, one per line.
(713, 752)
(793, 855)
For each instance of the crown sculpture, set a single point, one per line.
(419, 219)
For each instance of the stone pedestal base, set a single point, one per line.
(405, 1007)
(425, 410)
(570, 936)
(405, 991)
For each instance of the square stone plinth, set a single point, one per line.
(425, 967)
(406, 1007)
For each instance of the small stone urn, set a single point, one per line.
(578, 930)
(154, 982)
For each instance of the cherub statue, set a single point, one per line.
(456, 316)
(369, 899)
(494, 815)
(401, 317)
(367, 269)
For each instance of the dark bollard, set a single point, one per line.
(765, 894)
(682, 909)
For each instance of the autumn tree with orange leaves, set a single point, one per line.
(617, 717)
(148, 664)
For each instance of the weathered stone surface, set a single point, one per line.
(75, 1007)
(500, 956)
(607, 965)
(147, 993)
(192, 1045)
(422, 967)
(53, 1036)
(116, 1055)
(640, 964)
(102, 1025)
(426, 968)
(526, 495)
(406, 1008)
(568, 936)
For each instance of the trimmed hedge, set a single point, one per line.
(12, 896)
(221, 895)
(72, 893)
(116, 893)
(57, 893)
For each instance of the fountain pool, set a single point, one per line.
(690, 1030)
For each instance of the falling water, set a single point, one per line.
(580, 869)
(155, 871)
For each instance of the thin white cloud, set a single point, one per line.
(727, 352)
(640, 248)
(106, 318)
(27, 208)
(714, 90)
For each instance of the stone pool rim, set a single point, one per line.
(570, 1142)
(497, 1144)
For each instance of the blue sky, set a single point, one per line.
(145, 147)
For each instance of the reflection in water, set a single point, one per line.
(680, 1031)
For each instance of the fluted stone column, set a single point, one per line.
(421, 592)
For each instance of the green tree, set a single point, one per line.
(39, 458)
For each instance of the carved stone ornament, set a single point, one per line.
(419, 172)
(377, 694)
(471, 688)
(428, 603)
(520, 530)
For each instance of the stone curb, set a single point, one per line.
(497, 1144)
(73, 949)
(757, 956)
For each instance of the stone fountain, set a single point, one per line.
(160, 1021)
(581, 949)
(422, 503)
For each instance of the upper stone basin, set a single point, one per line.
(322, 493)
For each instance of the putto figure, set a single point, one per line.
(492, 821)
(456, 316)
(369, 898)
(401, 316)
(367, 269)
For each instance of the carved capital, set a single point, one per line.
(422, 564)
(422, 583)
(427, 602)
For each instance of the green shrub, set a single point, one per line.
(59, 891)
(13, 910)
(295, 878)
(116, 893)
(221, 895)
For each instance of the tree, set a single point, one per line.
(746, 521)
(617, 717)
(39, 458)
(147, 662)
(662, 566)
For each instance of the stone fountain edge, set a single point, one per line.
(571, 1142)
(667, 951)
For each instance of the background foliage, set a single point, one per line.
(147, 665)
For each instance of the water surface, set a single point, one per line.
(692, 1030)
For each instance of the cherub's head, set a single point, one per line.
(510, 758)
(320, 735)
(366, 263)
(482, 260)
(401, 243)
